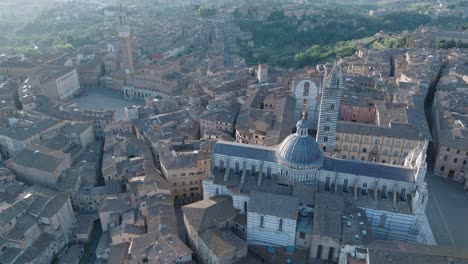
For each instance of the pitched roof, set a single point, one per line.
(54, 205)
(283, 206)
(370, 169)
(209, 212)
(221, 242)
(245, 151)
(38, 160)
(118, 253)
(114, 205)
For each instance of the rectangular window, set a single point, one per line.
(364, 189)
(403, 195)
(327, 184)
(302, 235)
(442, 168)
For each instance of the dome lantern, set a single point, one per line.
(300, 151)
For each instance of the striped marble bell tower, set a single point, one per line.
(329, 108)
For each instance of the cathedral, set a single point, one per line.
(278, 189)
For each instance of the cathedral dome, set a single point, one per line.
(300, 151)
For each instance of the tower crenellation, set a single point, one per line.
(123, 30)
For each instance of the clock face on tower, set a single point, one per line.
(127, 71)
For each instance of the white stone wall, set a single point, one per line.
(210, 189)
(372, 183)
(239, 200)
(269, 233)
(67, 85)
(259, 164)
(391, 226)
(308, 102)
(87, 137)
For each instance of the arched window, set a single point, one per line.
(403, 195)
(345, 185)
(306, 89)
(262, 219)
(245, 206)
(383, 192)
(280, 227)
(217, 191)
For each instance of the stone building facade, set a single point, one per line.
(450, 136)
(292, 175)
(184, 165)
(307, 95)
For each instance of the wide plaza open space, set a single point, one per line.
(107, 100)
(447, 211)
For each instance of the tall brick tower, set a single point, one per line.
(126, 62)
